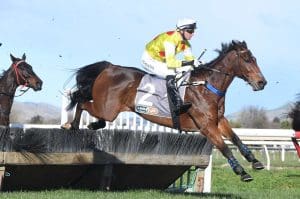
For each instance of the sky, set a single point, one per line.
(60, 36)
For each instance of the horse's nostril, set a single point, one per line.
(262, 83)
(39, 85)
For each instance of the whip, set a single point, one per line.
(202, 53)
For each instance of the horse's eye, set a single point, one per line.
(28, 67)
(25, 73)
(26, 70)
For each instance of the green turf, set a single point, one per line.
(281, 182)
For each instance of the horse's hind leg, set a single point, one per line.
(227, 132)
(76, 121)
(74, 125)
(90, 107)
(100, 124)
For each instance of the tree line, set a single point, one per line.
(255, 117)
(249, 117)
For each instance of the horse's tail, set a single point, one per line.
(295, 116)
(85, 78)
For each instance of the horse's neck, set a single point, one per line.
(8, 84)
(222, 80)
(8, 88)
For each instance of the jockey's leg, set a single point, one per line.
(174, 96)
(161, 70)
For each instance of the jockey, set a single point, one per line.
(159, 58)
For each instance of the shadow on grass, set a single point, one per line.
(293, 175)
(208, 195)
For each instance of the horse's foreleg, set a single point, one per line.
(226, 130)
(211, 131)
(215, 137)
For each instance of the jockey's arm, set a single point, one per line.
(171, 60)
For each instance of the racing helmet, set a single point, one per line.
(186, 23)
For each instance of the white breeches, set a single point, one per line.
(155, 67)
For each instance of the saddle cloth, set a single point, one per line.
(152, 97)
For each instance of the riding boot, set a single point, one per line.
(174, 96)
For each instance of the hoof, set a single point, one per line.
(97, 125)
(257, 165)
(66, 126)
(246, 178)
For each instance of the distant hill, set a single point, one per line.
(280, 112)
(23, 112)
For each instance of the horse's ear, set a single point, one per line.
(245, 44)
(235, 42)
(13, 59)
(24, 57)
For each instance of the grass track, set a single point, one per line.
(281, 182)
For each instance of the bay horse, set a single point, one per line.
(19, 73)
(104, 90)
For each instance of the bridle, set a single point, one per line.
(18, 74)
(238, 52)
(19, 77)
(252, 58)
(210, 86)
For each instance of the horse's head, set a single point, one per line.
(24, 74)
(246, 67)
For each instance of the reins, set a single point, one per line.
(11, 96)
(215, 70)
(22, 92)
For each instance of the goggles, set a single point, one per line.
(190, 30)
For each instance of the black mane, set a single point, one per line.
(4, 73)
(225, 48)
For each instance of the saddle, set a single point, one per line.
(152, 97)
